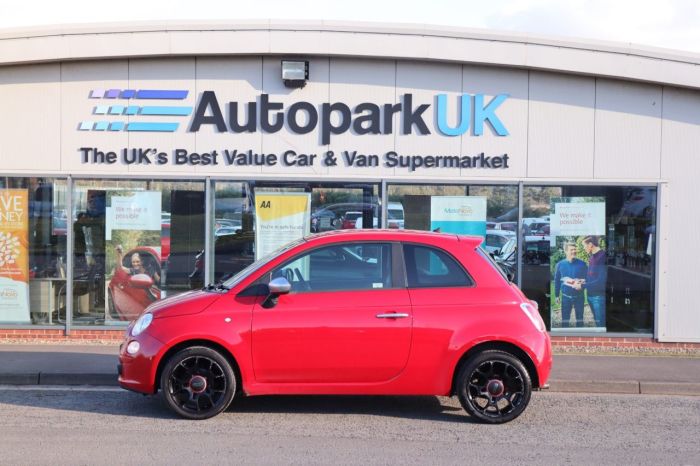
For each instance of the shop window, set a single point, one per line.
(588, 256)
(135, 242)
(33, 222)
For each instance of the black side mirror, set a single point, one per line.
(277, 286)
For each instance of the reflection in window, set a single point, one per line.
(614, 289)
(352, 266)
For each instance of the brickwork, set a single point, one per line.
(558, 342)
(619, 342)
(58, 335)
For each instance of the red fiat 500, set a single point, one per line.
(371, 312)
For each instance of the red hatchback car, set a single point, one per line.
(351, 312)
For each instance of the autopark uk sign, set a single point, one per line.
(121, 110)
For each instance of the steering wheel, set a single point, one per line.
(302, 283)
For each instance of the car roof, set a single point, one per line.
(393, 234)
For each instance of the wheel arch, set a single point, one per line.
(505, 346)
(200, 342)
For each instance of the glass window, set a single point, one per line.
(588, 256)
(350, 266)
(33, 222)
(135, 242)
(241, 235)
(430, 267)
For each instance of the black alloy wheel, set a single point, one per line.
(494, 387)
(198, 383)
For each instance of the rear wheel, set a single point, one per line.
(198, 383)
(494, 386)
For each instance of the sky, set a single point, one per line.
(673, 24)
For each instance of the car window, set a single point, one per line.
(348, 266)
(431, 267)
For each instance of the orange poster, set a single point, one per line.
(14, 256)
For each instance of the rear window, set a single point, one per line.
(428, 267)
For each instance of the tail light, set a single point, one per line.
(530, 310)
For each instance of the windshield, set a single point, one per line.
(236, 279)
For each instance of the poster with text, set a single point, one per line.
(279, 219)
(133, 251)
(578, 264)
(14, 256)
(463, 215)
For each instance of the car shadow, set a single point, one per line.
(117, 402)
(408, 407)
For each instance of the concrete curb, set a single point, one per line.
(50, 378)
(631, 387)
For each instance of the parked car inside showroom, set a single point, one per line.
(350, 312)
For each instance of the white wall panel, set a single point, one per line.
(79, 79)
(560, 141)
(233, 80)
(163, 74)
(30, 120)
(425, 81)
(354, 82)
(680, 165)
(627, 130)
(315, 92)
(512, 113)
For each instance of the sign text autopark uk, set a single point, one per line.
(267, 116)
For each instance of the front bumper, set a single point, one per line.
(137, 372)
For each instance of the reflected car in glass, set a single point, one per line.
(350, 312)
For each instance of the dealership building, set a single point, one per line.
(131, 156)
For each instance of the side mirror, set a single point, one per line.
(141, 281)
(277, 286)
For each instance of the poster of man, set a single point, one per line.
(578, 265)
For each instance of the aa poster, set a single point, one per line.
(14, 258)
(279, 219)
(578, 264)
(464, 215)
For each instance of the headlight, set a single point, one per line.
(142, 324)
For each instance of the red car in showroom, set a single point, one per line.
(348, 312)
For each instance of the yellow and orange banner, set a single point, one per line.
(14, 256)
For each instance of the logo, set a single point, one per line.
(133, 112)
(473, 113)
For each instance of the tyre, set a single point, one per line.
(197, 383)
(494, 387)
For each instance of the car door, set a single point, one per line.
(347, 318)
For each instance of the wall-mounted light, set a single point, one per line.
(295, 73)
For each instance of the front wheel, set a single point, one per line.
(198, 383)
(494, 387)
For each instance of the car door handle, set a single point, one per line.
(392, 315)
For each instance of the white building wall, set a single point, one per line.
(627, 130)
(680, 165)
(560, 126)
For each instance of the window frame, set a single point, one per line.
(470, 277)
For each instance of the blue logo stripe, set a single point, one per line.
(161, 127)
(178, 111)
(158, 94)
